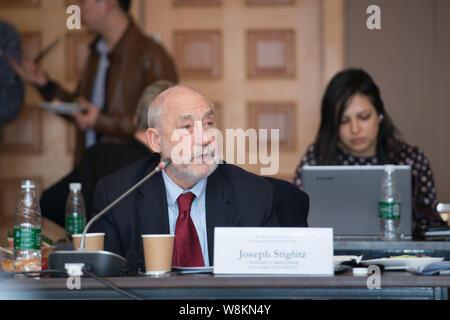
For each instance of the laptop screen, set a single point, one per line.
(346, 199)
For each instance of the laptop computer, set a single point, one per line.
(346, 199)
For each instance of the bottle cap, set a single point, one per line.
(389, 168)
(75, 186)
(28, 184)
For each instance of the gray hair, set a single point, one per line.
(148, 95)
(155, 108)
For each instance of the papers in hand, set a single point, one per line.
(62, 107)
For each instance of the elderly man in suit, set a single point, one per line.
(188, 199)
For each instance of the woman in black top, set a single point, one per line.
(356, 130)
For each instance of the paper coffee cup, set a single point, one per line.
(158, 249)
(92, 241)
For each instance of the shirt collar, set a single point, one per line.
(101, 47)
(174, 191)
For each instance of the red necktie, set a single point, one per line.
(186, 250)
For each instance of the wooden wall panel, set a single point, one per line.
(285, 177)
(333, 20)
(31, 44)
(197, 2)
(270, 53)
(275, 115)
(9, 191)
(218, 114)
(23, 134)
(198, 53)
(20, 3)
(269, 2)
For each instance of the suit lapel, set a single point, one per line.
(220, 210)
(151, 205)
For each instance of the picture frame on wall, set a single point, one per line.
(181, 3)
(20, 3)
(279, 115)
(269, 2)
(198, 53)
(270, 54)
(31, 44)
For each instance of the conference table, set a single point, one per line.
(392, 284)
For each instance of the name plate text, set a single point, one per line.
(307, 251)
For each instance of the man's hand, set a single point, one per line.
(29, 72)
(87, 119)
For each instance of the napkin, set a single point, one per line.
(441, 268)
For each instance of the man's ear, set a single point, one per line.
(154, 140)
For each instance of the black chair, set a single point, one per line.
(291, 204)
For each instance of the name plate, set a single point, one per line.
(307, 251)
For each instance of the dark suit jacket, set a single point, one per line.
(234, 197)
(98, 161)
(291, 204)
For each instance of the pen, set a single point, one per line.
(46, 50)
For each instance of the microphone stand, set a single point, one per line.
(161, 166)
(101, 263)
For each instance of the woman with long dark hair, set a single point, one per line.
(355, 129)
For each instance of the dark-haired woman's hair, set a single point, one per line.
(125, 5)
(341, 88)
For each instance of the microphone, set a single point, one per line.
(100, 263)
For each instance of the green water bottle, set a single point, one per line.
(389, 206)
(75, 211)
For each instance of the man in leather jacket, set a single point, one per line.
(121, 63)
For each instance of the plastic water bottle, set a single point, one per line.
(75, 211)
(389, 206)
(27, 230)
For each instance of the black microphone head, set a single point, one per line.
(166, 162)
(163, 164)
